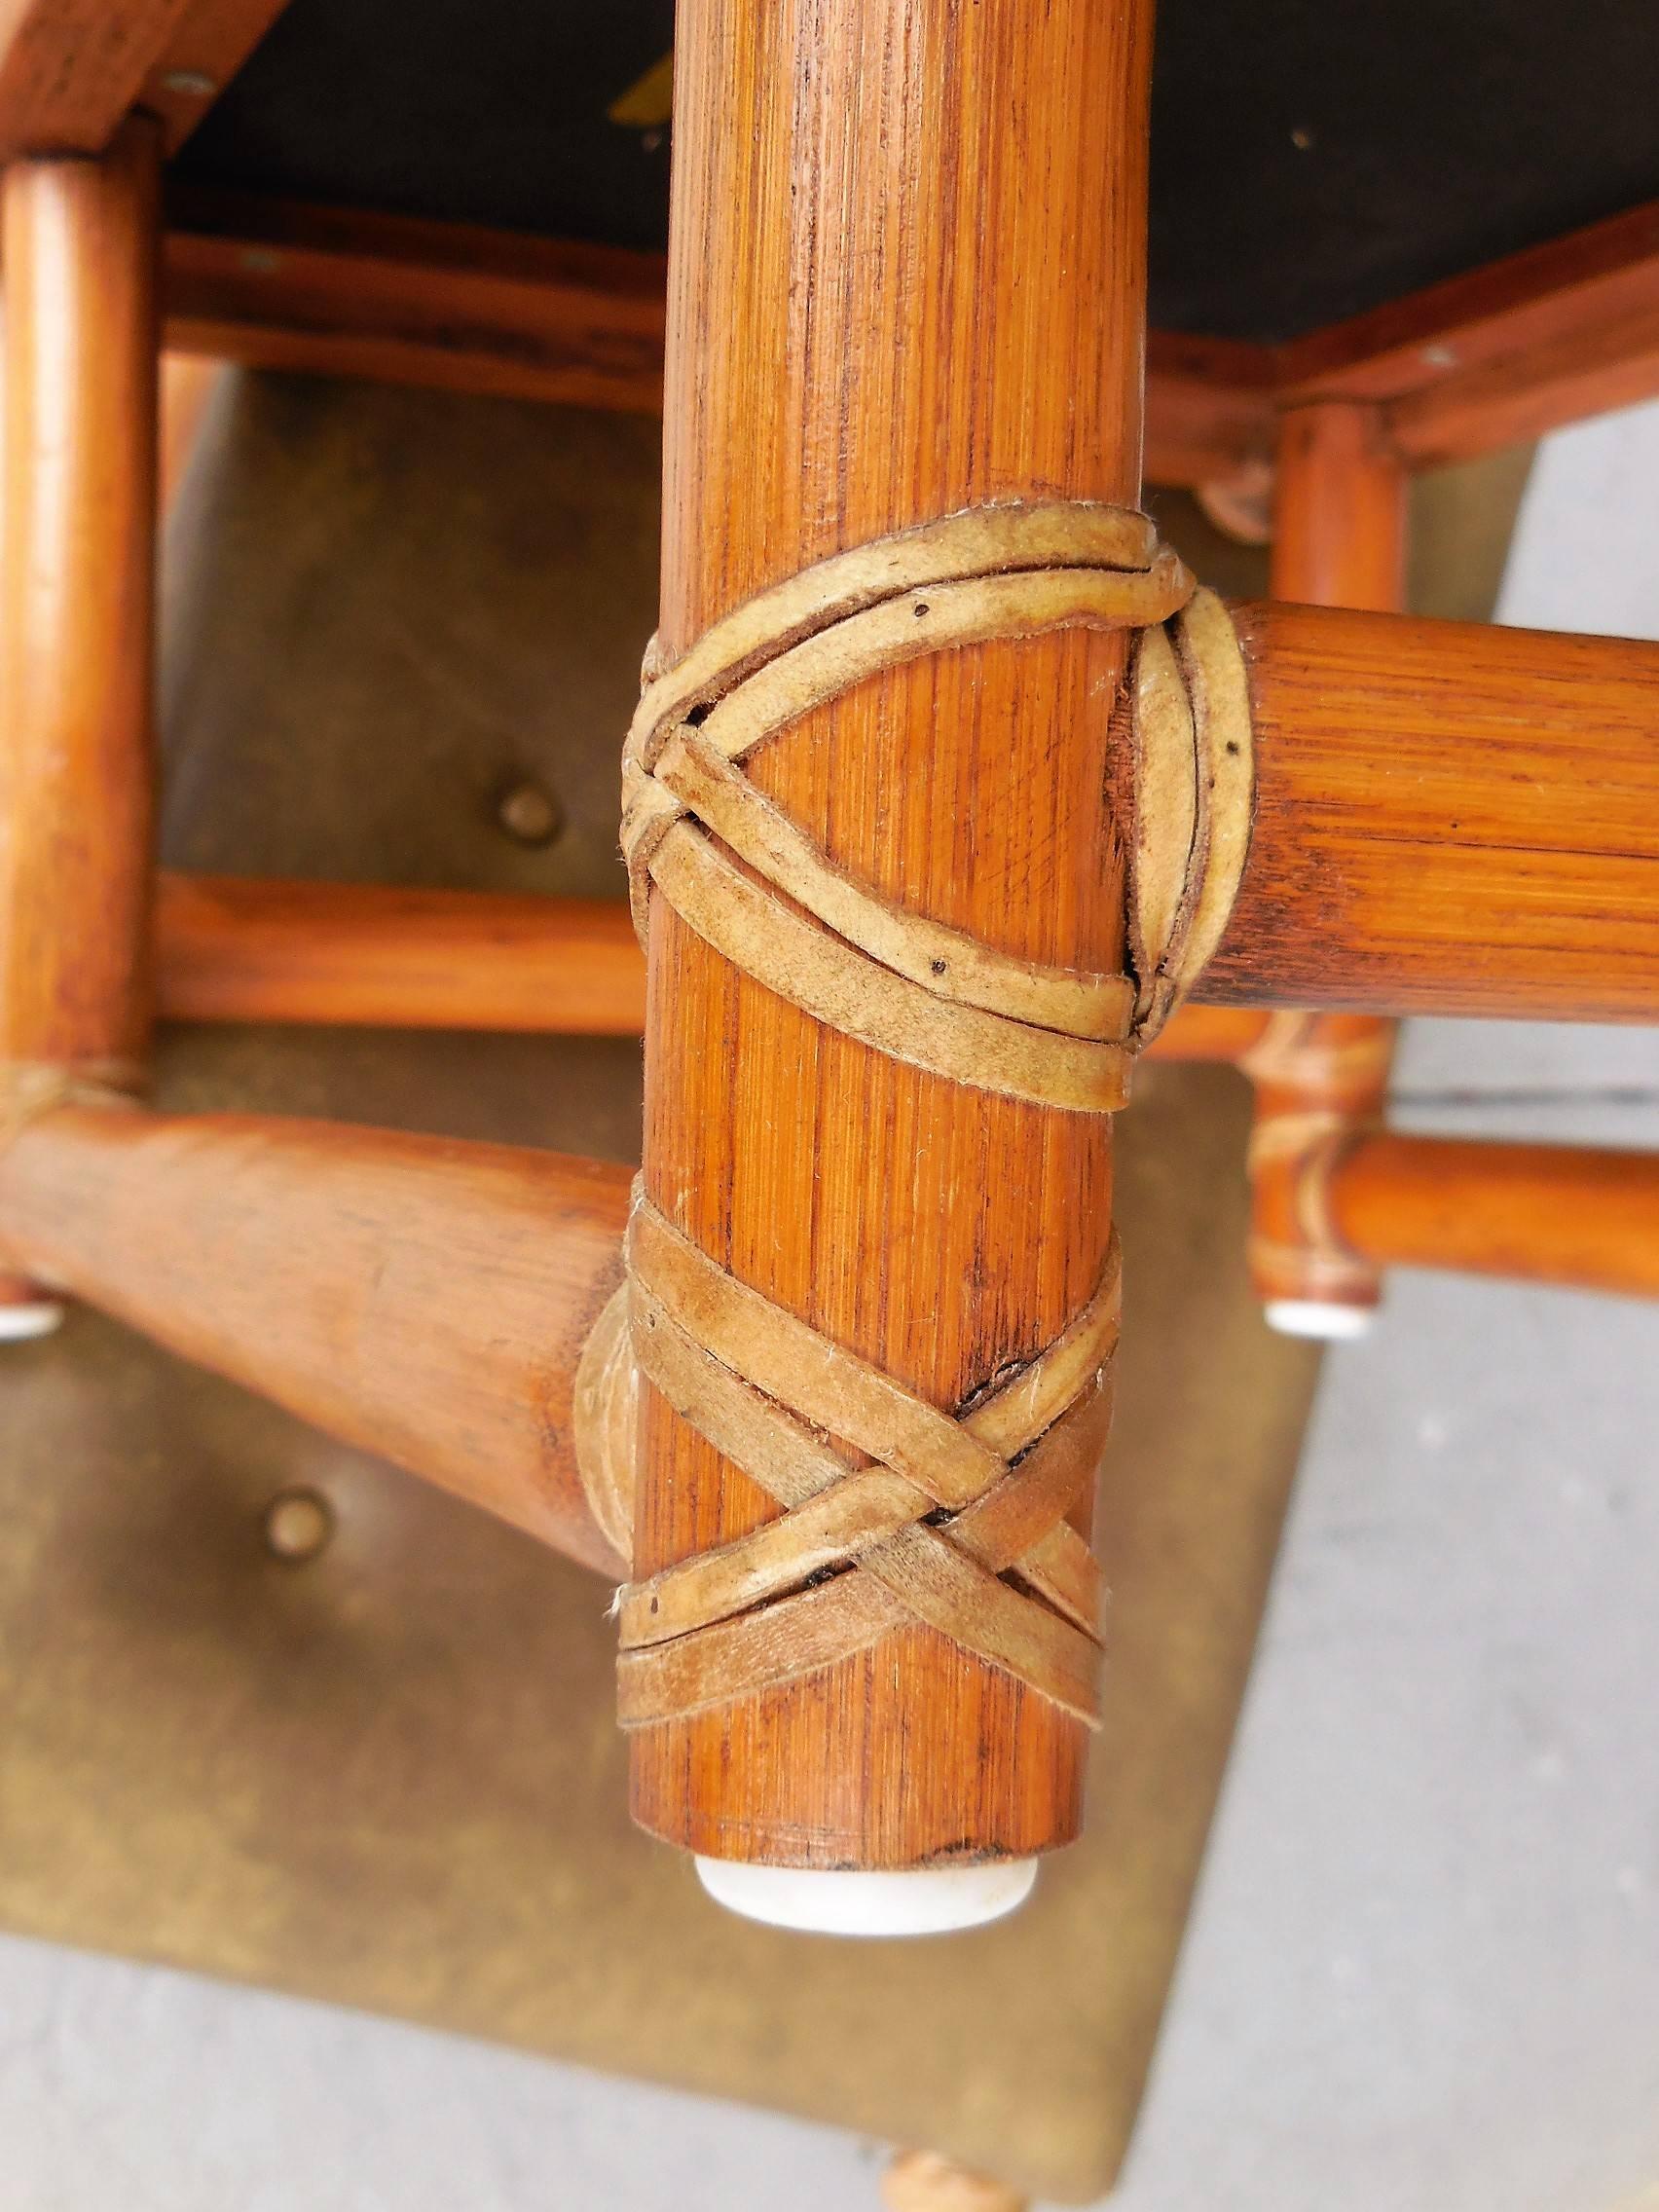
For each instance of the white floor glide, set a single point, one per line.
(932, 1902)
(1318, 1318)
(18, 1324)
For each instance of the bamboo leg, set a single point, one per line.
(76, 622)
(1339, 541)
(907, 272)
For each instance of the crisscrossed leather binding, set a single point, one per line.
(893, 1510)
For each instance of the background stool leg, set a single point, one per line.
(76, 631)
(1339, 541)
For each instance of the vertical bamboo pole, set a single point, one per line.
(76, 621)
(1339, 541)
(907, 272)
(1340, 511)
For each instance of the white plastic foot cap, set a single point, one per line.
(930, 1902)
(18, 1323)
(1330, 1323)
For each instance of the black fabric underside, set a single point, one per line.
(1311, 158)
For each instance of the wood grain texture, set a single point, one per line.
(1528, 1212)
(343, 292)
(912, 277)
(1503, 353)
(1451, 819)
(71, 70)
(230, 949)
(421, 1298)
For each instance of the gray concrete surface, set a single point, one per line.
(1423, 1976)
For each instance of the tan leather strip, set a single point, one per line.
(1167, 813)
(1307, 1148)
(944, 961)
(709, 1628)
(963, 610)
(788, 1359)
(838, 985)
(837, 1514)
(1295, 1052)
(846, 1396)
(1020, 1524)
(1219, 688)
(1296, 1137)
(831, 1529)
(979, 541)
(914, 1575)
(1194, 787)
(756, 1651)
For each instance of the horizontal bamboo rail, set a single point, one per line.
(1505, 352)
(455, 307)
(230, 949)
(417, 1297)
(237, 949)
(1540, 1213)
(1450, 818)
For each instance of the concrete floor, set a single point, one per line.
(1425, 1968)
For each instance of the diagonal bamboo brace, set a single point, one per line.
(421, 1298)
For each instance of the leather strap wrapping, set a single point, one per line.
(740, 874)
(1306, 1149)
(893, 1510)
(1321, 1082)
(956, 1522)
